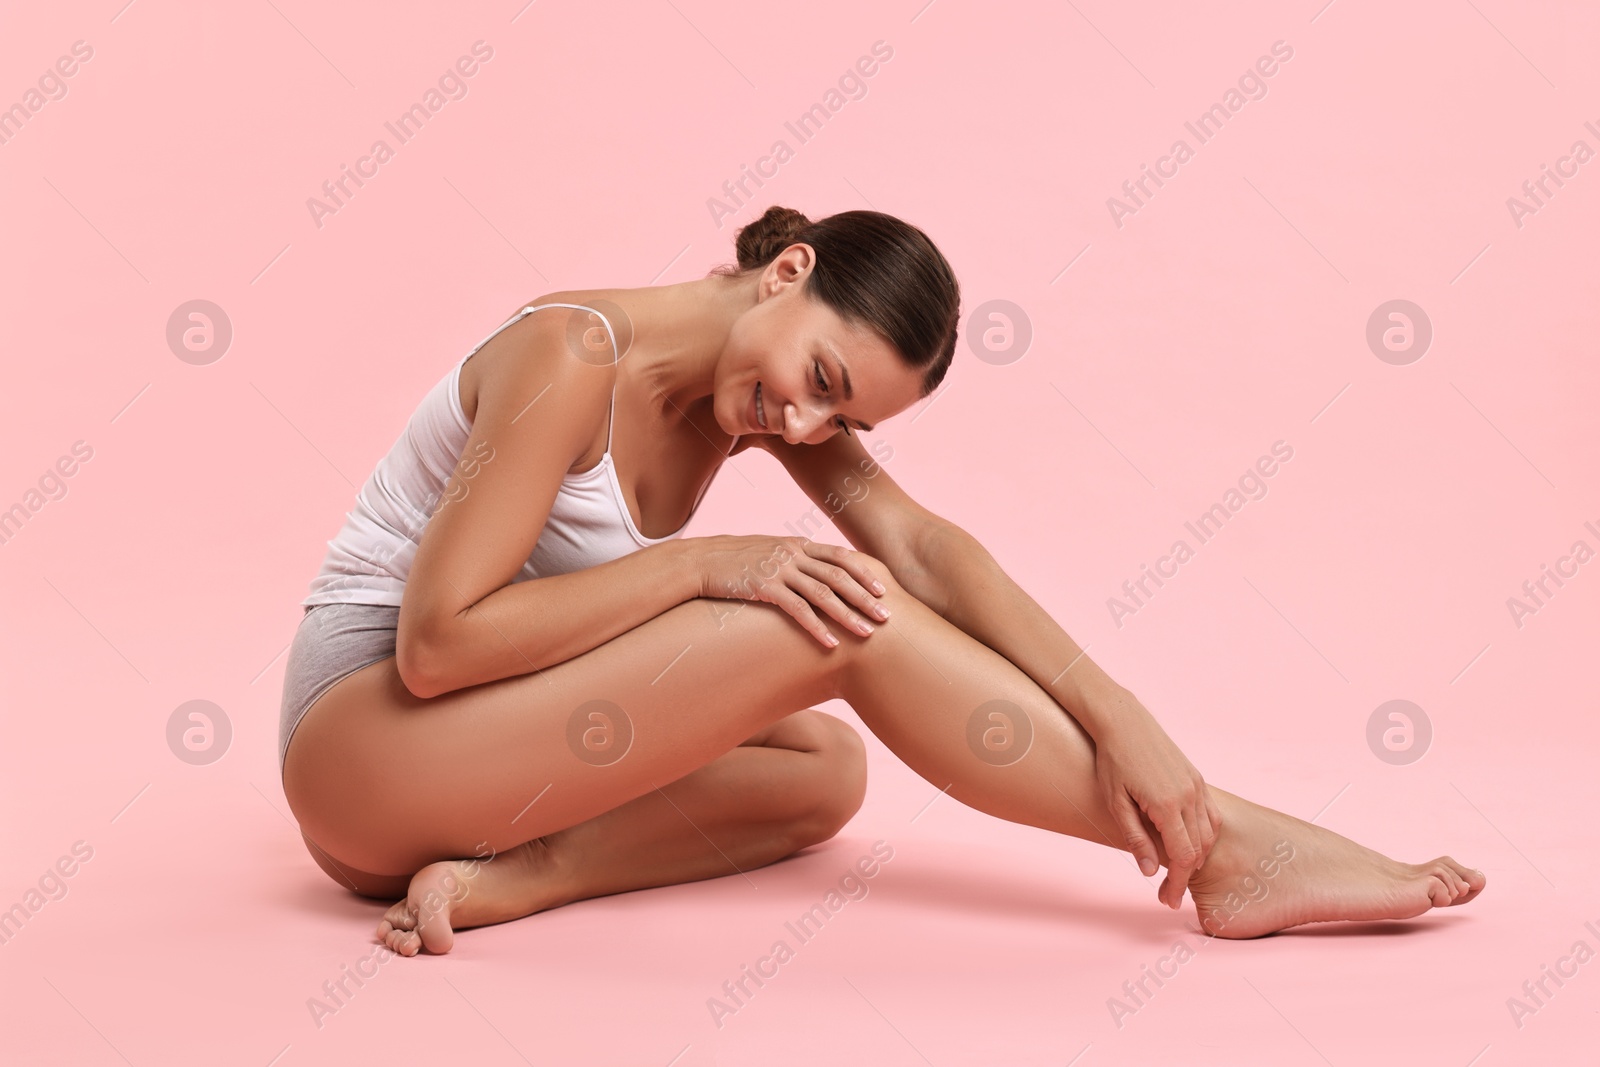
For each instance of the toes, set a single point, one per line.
(1449, 883)
(398, 918)
(397, 929)
(394, 929)
(1445, 873)
(1472, 880)
(1450, 873)
(403, 942)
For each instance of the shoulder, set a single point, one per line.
(531, 345)
(559, 337)
(589, 319)
(557, 355)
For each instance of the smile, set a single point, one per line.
(761, 411)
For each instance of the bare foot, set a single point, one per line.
(457, 894)
(1269, 871)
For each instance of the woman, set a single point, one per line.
(517, 686)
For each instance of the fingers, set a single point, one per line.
(853, 563)
(800, 608)
(1209, 819)
(1182, 853)
(826, 577)
(1199, 824)
(828, 584)
(1126, 812)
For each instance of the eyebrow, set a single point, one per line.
(849, 392)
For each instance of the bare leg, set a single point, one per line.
(794, 784)
(1267, 871)
(392, 783)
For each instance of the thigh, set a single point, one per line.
(821, 791)
(387, 781)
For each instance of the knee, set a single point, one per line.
(841, 781)
(857, 652)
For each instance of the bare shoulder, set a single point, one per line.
(550, 353)
(506, 357)
(613, 318)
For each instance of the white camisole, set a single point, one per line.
(369, 559)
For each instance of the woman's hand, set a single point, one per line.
(794, 573)
(1141, 771)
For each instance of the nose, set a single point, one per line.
(800, 424)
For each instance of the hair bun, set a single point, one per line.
(761, 240)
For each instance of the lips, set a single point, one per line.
(758, 408)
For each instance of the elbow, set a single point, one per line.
(943, 554)
(413, 660)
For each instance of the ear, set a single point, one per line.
(792, 264)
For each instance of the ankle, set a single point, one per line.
(552, 865)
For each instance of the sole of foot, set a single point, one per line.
(459, 894)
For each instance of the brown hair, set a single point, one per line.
(870, 268)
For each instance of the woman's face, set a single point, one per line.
(798, 356)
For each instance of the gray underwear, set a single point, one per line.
(332, 641)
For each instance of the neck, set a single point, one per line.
(679, 334)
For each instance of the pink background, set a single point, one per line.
(1229, 312)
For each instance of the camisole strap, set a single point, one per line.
(615, 353)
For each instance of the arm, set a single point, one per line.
(462, 619)
(946, 568)
(966, 585)
(531, 625)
